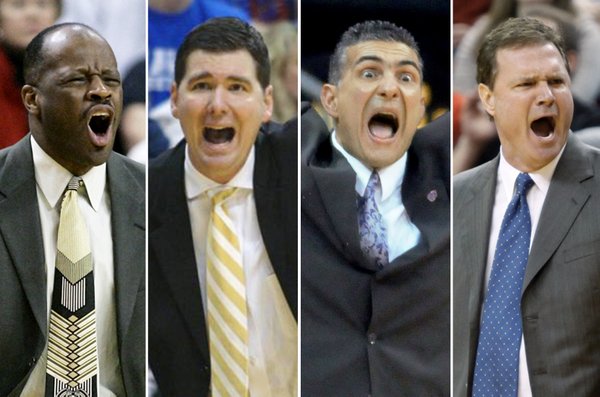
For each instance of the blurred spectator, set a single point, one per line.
(132, 132)
(466, 12)
(168, 23)
(282, 40)
(20, 21)
(267, 11)
(157, 142)
(586, 82)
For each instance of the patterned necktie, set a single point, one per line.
(370, 225)
(226, 302)
(497, 363)
(72, 366)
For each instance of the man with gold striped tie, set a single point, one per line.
(72, 230)
(223, 226)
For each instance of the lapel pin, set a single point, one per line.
(432, 196)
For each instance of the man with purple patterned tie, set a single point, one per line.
(375, 226)
(526, 232)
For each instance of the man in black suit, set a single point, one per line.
(221, 96)
(552, 302)
(73, 97)
(375, 309)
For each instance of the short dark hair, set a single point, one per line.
(369, 31)
(226, 34)
(514, 33)
(33, 60)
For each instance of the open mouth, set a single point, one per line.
(218, 135)
(543, 127)
(383, 125)
(99, 123)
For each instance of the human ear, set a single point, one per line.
(29, 96)
(329, 99)
(486, 95)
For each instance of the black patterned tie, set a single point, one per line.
(72, 368)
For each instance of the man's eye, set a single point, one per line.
(112, 82)
(201, 85)
(369, 74)
(407, 77)
(237, 88)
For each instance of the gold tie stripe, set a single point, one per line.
(226, 302)
(72, 365)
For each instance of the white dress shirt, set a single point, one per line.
(401, 233)
(51, 180)
(505, 184)
(272, 329)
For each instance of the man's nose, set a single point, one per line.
(545, 94)
(98, 90)
(218, 101)
(388, 86)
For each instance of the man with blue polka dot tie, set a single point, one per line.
(526, 232)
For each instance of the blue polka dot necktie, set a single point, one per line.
(370, 225)
(497, 362)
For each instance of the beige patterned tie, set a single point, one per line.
(72, 366)
(226, 297)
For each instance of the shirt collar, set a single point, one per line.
(197, 183)
(541, 178)
(391, 177)
(52, 178)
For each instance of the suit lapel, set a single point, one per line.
(21, 229)
(128, 225)
(272, 195)
(333, 208)
(171, 242)
(474, 232)
(566, 196)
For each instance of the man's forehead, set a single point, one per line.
(236, 62)
(545, 51)
(388, 51)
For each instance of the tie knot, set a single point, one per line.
(523, 183)
(372, 185)
(217, 196)
(75, 183)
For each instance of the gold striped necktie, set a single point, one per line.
(226, 302)
(72, 367)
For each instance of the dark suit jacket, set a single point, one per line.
(368, 332)
(178, 352)
(560, 301)
(23, 315)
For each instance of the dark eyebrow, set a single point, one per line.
(366, 58)
(204, 75)
(375, 58)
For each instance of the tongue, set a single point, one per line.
(542, 127)
(380, 130)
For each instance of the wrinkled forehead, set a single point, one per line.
(392, 52)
